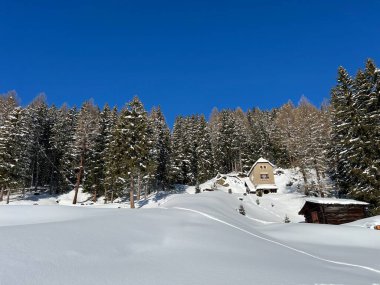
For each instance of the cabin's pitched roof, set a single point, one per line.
(330, 201)
(260, 160)
(318, 200)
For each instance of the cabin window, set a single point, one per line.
(314, 217)
(264, 176)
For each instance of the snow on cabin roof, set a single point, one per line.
(335, 201)
(260, 160)
(265, 186)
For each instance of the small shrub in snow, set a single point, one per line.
(286, 220)
(229, 191)
(242, 210)
(257, 201)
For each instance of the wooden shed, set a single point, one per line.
(333, 211)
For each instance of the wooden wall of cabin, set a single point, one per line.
(340, 214)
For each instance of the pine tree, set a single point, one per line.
(177, 152)
(342, 122)
(8, 102)
(86, 132)
(61, 143)
(158, 164)
(39, 124)
(226, 144)
(355, 135)
(130, 147)
(364, 136)
(14, 152)
(110, 156)
(205, 161)
(94, 178)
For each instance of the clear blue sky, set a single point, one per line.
(186, 56)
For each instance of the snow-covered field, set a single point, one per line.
(184, 239)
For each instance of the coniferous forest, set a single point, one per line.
(124, 153)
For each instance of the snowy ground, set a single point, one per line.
(183, 239)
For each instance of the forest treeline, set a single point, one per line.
(119, 153)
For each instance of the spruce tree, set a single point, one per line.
(130, 148)
(86, 132)
(160, 148)
(14, 153)
(110, 157)
(205, 160)
(177, 152)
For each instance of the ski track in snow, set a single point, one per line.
(279, 243)
(260, 221)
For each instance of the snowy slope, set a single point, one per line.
(188, 239)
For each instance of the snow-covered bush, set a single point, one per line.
(242, 210)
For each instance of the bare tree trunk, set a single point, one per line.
(131, 194)
(95, 197)
(8, 195)
(145, 191)
(320, 186)
(105, 195)
(37, 175)
(241, 163)
(138, 187)
(302, 169)
(79, 177)
(51, 181)
(2, 194)
(112, 197)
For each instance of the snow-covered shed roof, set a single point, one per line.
(327, 201)
(260, 160)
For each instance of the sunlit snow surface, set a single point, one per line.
(189, 239)
(183, 238)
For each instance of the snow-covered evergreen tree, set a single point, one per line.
(130, 148)
(160, 148)
(109, 155)
(39, 124)
(355, 134)
(86, 132)
(14, 153)
(205, 160)
(94, 178)
(177, 156)
(61, 143)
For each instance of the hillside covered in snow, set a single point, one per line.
(184, 238)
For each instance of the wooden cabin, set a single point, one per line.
(262, 178)
(333, 211)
